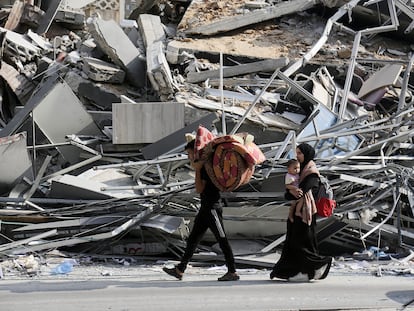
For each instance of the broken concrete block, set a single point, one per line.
(70, 19)
(31, 15)
(151, 29)
(158, 69)
(40, 41)
(159, 72)
(111, 39)
(101, 71)
(175, 53)
(18, 48)
(87, 47)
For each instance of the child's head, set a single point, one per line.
(293, 166)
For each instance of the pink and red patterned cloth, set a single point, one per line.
(229, 159)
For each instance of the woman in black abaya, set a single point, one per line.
(300, 259)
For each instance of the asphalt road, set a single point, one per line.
(150, 289)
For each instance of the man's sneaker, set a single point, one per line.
(173, 272)
(229, 276)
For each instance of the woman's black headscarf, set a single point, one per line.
(308, 153)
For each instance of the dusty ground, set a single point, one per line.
(92, 268)
(289, 36)
(206, 11)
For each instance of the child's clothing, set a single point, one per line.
(291, 179)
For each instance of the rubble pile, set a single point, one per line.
(95, 106)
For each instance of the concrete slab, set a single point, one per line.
(110, 37)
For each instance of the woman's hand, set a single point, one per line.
(297, 193)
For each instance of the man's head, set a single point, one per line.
(190, 145)
(189, 148)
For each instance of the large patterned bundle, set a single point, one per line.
(229, 160)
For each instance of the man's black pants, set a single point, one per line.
(208, 218)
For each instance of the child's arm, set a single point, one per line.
(295, 191)
(291, 187)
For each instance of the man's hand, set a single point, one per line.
(197, 165)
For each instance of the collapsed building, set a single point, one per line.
(94, 109)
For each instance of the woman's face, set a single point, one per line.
(299, 155)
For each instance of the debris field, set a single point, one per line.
(95, 105)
